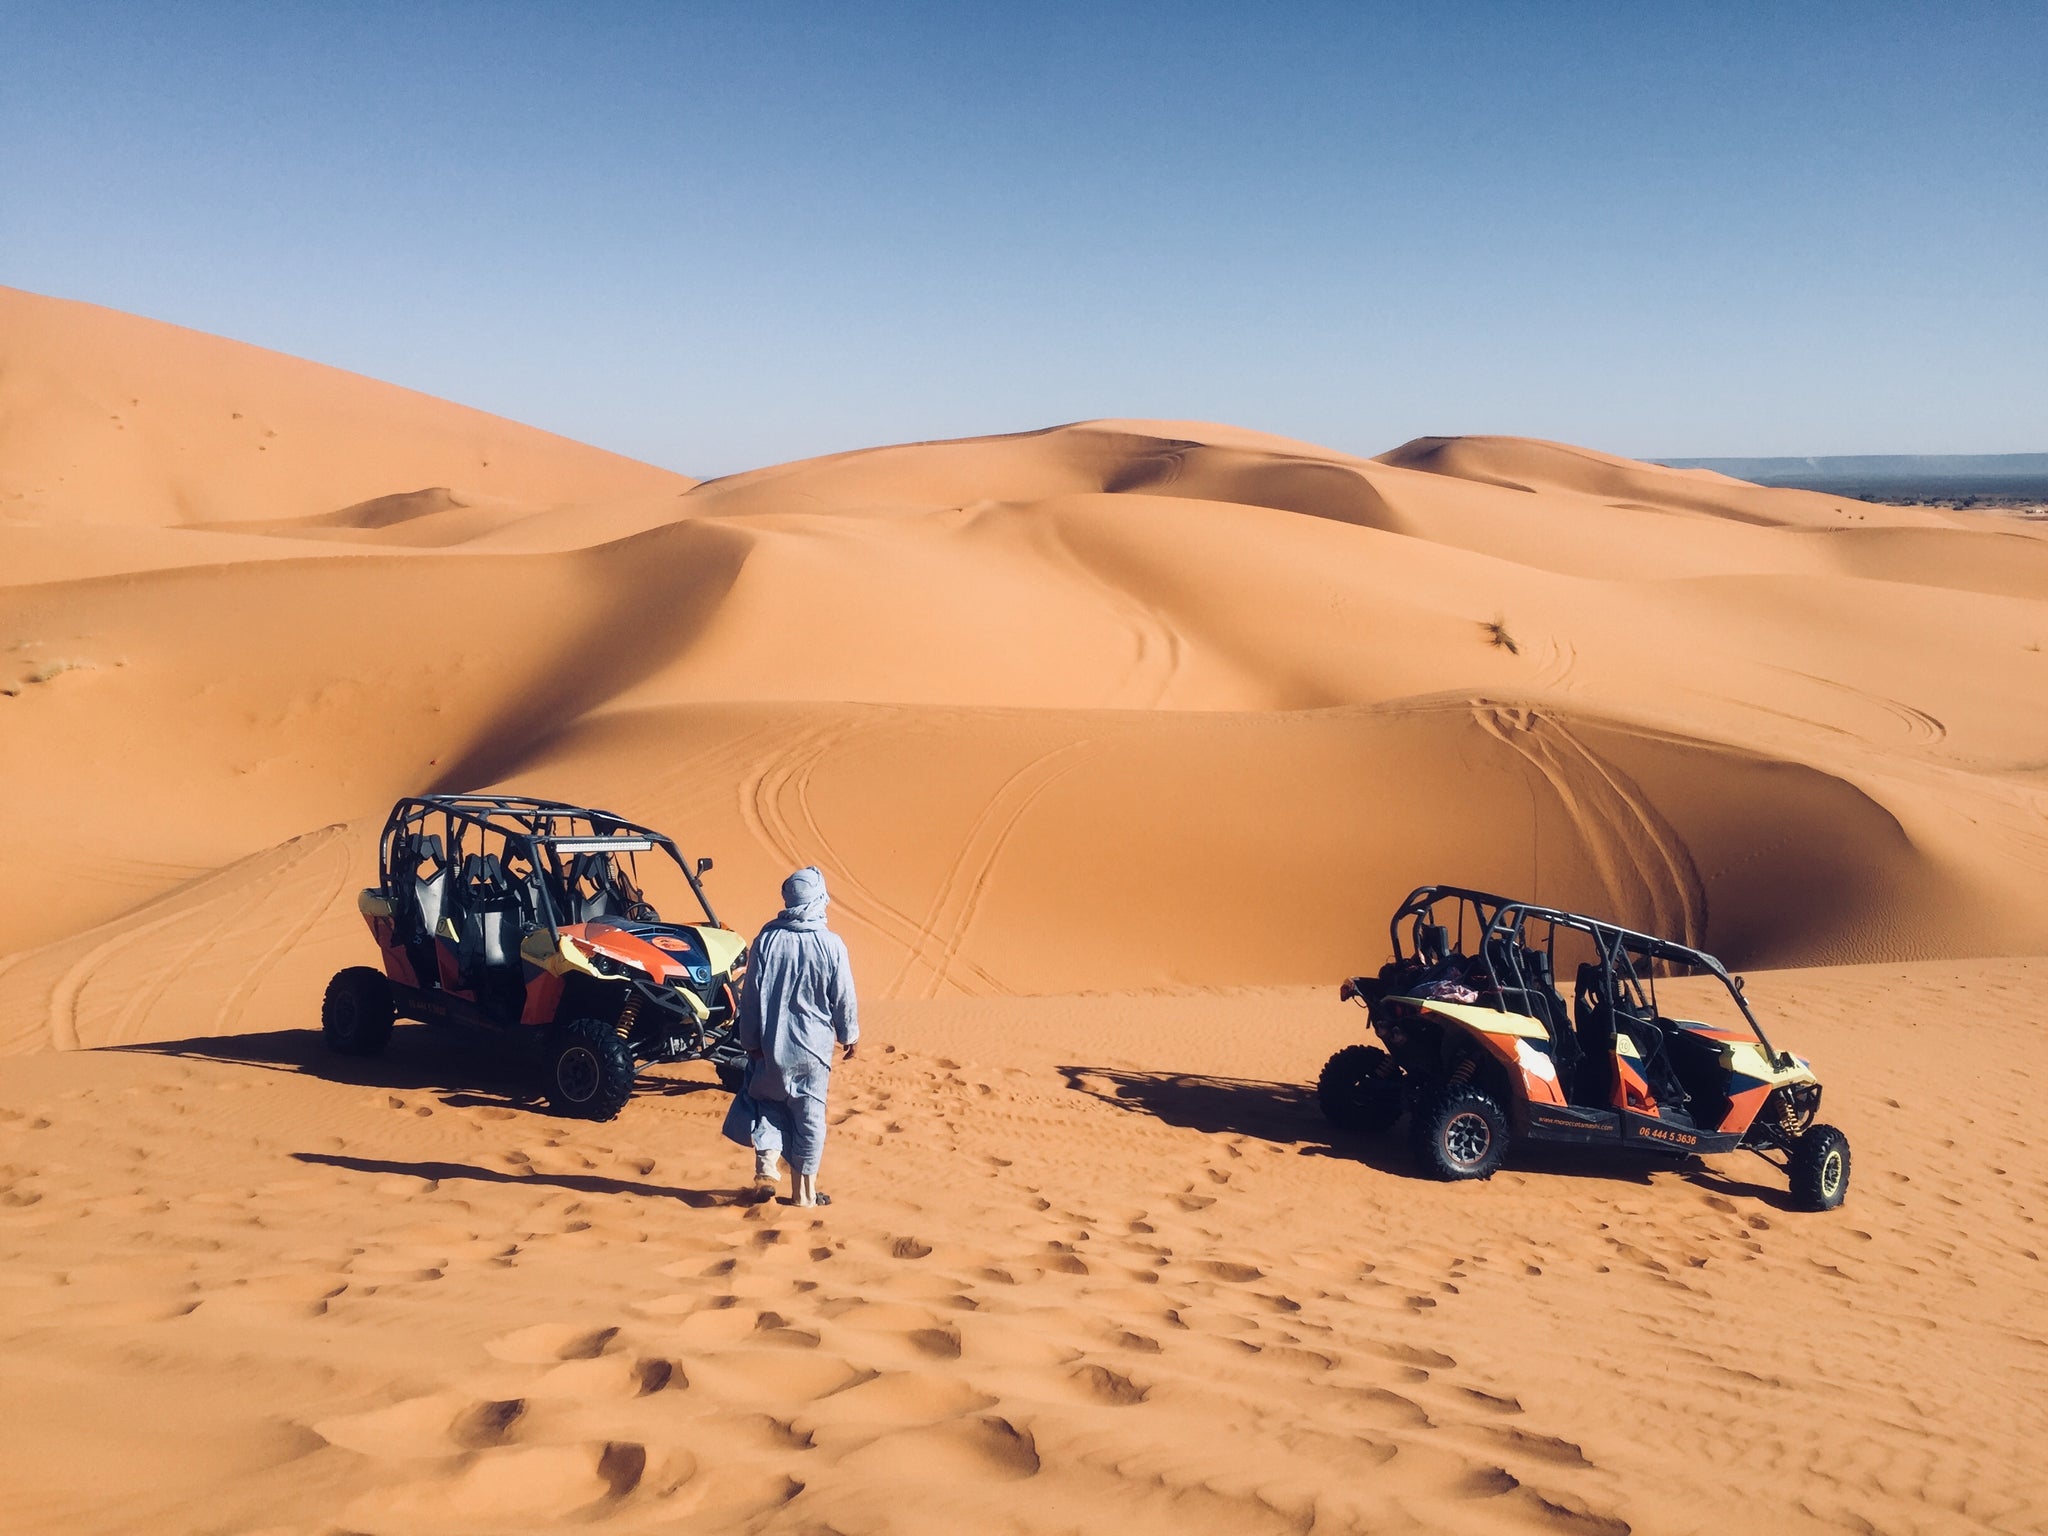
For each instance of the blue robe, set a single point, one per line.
(796, 1003)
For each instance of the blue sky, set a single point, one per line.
(715, 236)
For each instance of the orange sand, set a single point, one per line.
(1165, 713)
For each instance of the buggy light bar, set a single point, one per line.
(598, 844)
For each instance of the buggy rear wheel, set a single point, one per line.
(1820, 1168)
(732, 1074)
(356, 1014)
(1360, 1090)
(1461, 1134)
(590, 1070)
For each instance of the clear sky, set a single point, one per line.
(720, 235)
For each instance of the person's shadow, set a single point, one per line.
(580, 1183)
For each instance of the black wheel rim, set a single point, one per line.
(576, 1073)
(1467, 1138)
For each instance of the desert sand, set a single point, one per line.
(1117, 741)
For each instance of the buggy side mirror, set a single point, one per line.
(1348, 991)
(703, 867)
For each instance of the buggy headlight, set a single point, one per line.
(604, 964)
(700, 974)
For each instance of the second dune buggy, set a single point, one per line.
(531, 920)
(1479, 1047)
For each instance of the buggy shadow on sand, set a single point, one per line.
(431, 1061)
(1287, 1115)
(1478, 1048)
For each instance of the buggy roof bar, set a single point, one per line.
(527, 817)
(1609, 936)
(1648, 944)
(532, 822)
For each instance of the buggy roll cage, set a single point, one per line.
(1501, 921)
(542, 831)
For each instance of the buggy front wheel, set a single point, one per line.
(1461, 1134)
(589, 1070)
(1820, 1168)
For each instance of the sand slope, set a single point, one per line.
(113, 420)
(1095, 1264)
(1168, 713)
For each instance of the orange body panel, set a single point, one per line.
(1743, 1108)
(543, 996)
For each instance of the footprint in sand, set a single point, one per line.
(774, 1328)
(1384, 1409)
(895, 1399)
(516, 1486)
(546, 1343)
(1559, 1453)
(1491, 1403)
(606, 1377)
(1409, 1354)
(939, 1343)
(438, 1424)
(1110, 1389)
(971, 1451)
(1223, 1269)
(285, 1295)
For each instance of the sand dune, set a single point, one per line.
(110, 419)
(1167, 713)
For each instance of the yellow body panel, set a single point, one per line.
(1488, 1021)
(1749, 1059)
(722, 947)
(374, 903)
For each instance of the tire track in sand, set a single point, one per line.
(226, 892)
(335, 852)
(775, 804)
(1642, 863)
(1921, 728)
(958, 899)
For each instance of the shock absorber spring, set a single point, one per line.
(1462, 1073)
(629, 1015)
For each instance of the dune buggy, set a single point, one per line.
(1479, 1047)
(528, 920)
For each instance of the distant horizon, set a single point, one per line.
(1992, 463)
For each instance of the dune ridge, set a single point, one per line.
(1117, 741)
(1200, 586)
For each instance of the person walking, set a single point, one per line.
(796, 1003)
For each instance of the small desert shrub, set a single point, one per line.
(1497, 634)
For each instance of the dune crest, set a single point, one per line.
(1117, 741)
(110, 419)
(1326, 678)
